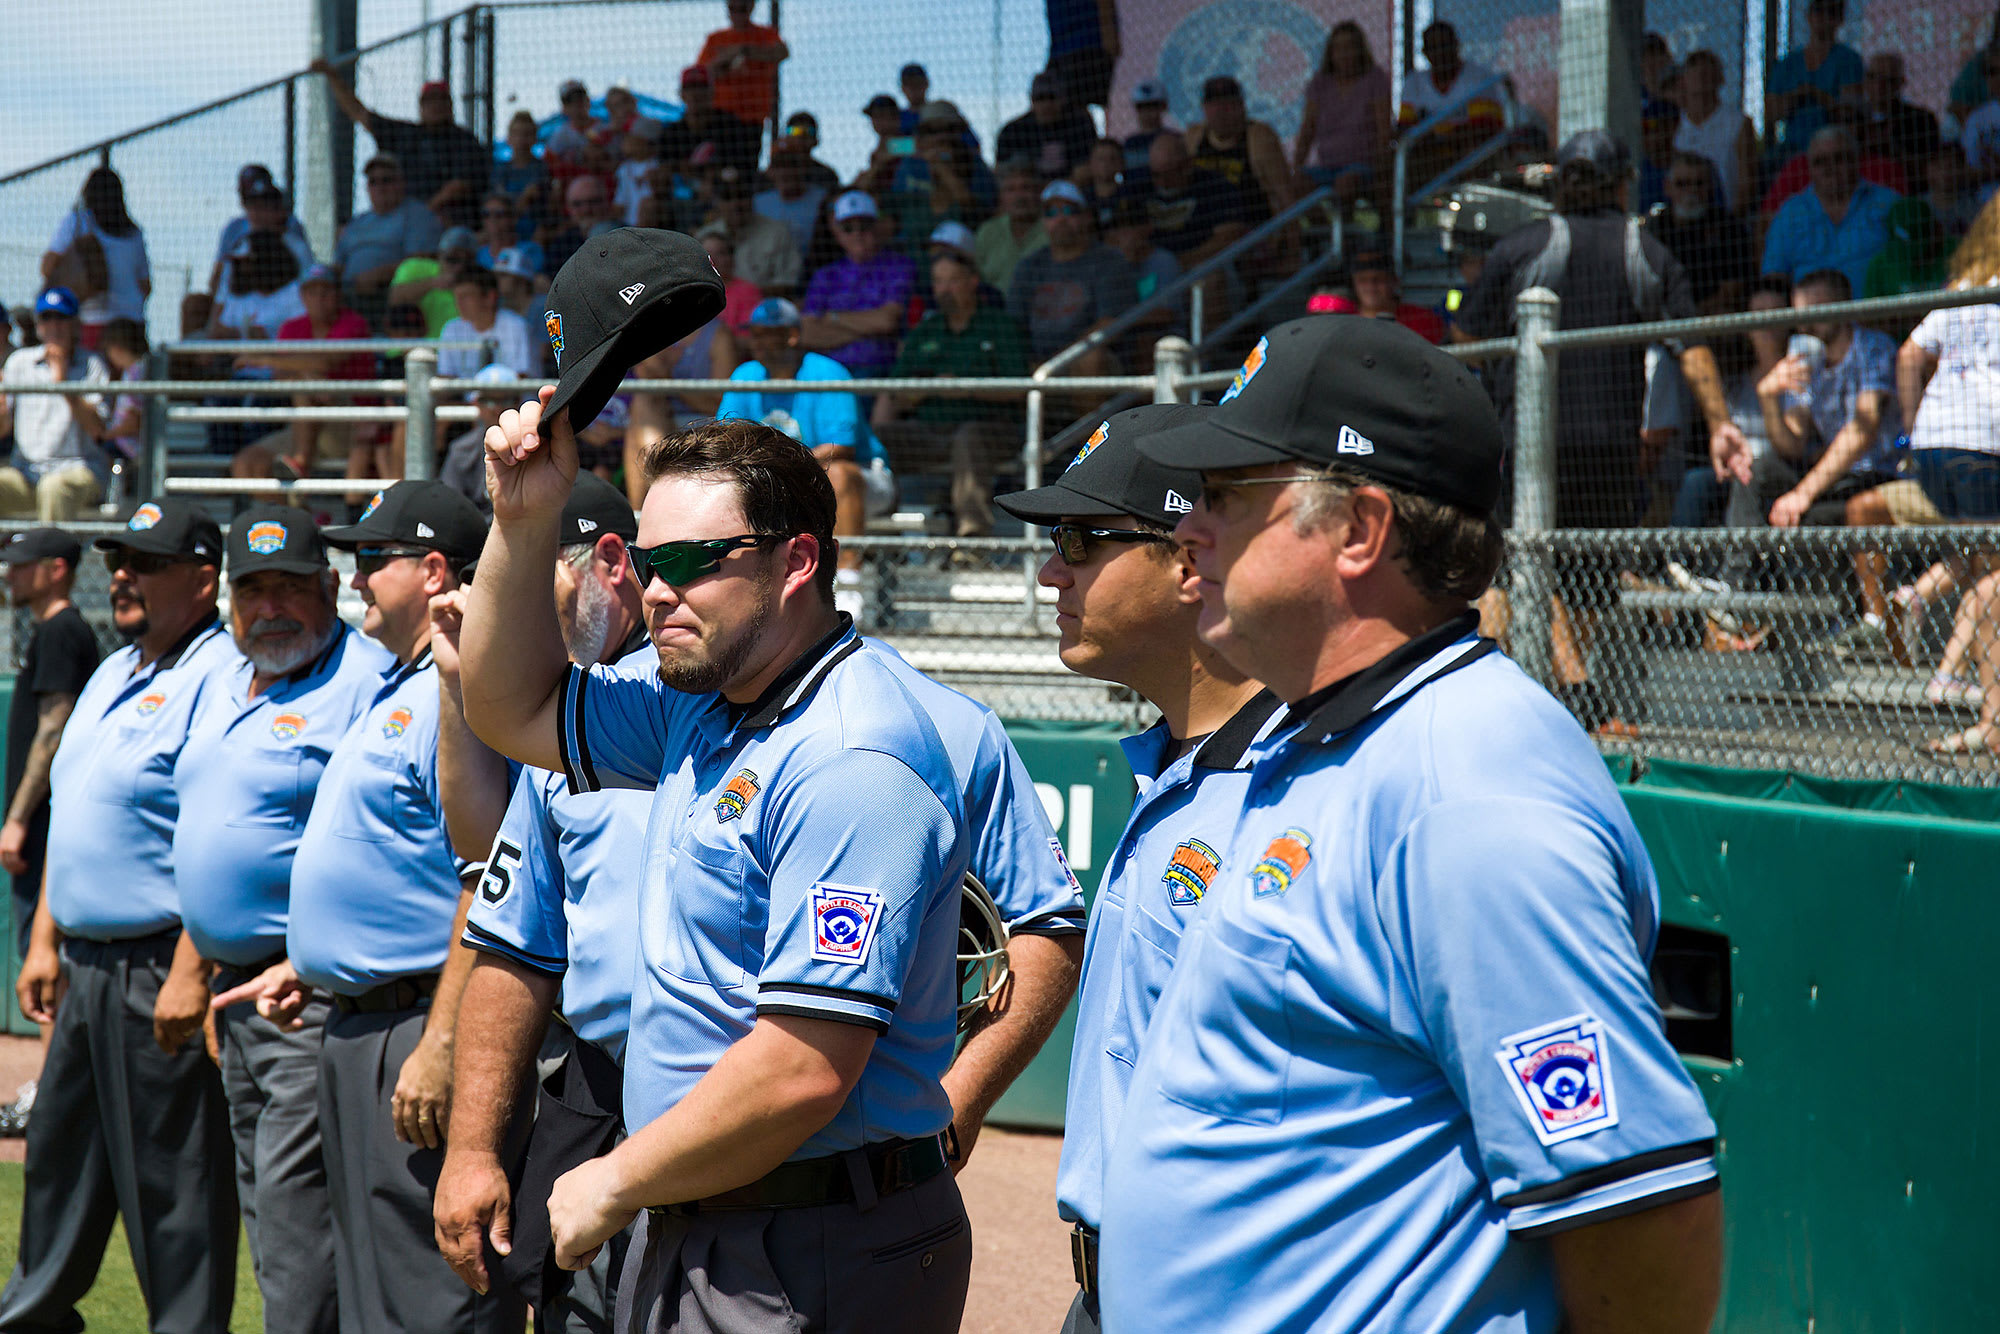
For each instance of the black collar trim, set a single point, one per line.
(803, 676)
(413, 666)
(171, 658)
(1350, 701)
(1227, 744)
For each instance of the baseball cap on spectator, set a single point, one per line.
(56, 301)
(319, 273)
(854, 204)
(514, 260)
(774, 312)
(940, 114)
(733, 182)
(275, 537)
(571, 88)
(435, 86)
(1149, 92)
(1219, 86)
(1330, 303)
(417, 514)
(955, 236)
(1364, 395)
(802, 125)
(494, 372)
(250, 174)
(881, 102)
(1596, 151)
(457, 238)
(262, 189)
(1370, 260)
(169, 526)
(389, 160)
(1064, 190)
(41, 544)
(695, 76)
(594, 508)
(912, 68)
(1110, 476)
(1045, 84)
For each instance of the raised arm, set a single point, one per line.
(343, 94)
(471, 777)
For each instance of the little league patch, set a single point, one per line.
(1560, 1074)
(845, 918)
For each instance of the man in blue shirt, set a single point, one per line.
(1838, 221)
(1126, 614)
(376, 911)
(1408, 1072)
(108, 949)
(797, 921)
(251, 764)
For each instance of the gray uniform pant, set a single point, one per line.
(272, 1080)
(898, 1266)
(390, 1275)
(1082, 1317)
(122, 1128)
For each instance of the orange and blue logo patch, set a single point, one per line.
(553, 323)
(265, 538)
(1251, 365)
(1190, 872)
(287, 726)
(144, 517)
(1097, 437)
(398, 723)
(1282, 863)
(373, 505)
(150, 704)
(737, 796)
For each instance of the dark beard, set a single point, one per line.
(719, 666)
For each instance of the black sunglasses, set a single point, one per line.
(1073, 541)
(1061, 211)
(140, 562)
(367, 560)
(681, 563)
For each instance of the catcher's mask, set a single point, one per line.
(982, 950)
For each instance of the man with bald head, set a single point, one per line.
(1839, 221)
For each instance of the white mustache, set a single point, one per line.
(275, 626)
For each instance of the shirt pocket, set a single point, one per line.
(707, 932)
(391, 807)
(273, 783)
(1236, 1068)
(116, 768)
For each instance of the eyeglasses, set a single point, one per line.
(1062, 211)
(368, 560)
(681, 563)
(139, 562)
(1073, 542)
(1216, 494)
(382, 178)
(1828, 159)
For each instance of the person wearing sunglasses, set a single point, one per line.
(377, 909)
(796, 997)
(1071, 287)
(107, 946)
(1126, 612)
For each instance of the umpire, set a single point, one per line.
(130, 1118)
(1408, 1072)
(252, 764)
(376, 910)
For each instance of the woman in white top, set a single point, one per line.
(100, 214)
(1720, 133)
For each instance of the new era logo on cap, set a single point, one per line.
(1176, 503)
(631, 294)
(425, 530)
(586, 525)
(1353, 442)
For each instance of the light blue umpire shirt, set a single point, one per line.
(804, 857)
(1163, 866)
(375, 884)
(112, 802)
(1411, 1032)
(251, 767)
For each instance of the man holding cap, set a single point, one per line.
(1408, 1071)
(252, 763)
(1126, 612)
(376, 911)
(129, 1117)
(55, 435)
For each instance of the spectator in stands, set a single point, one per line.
(1378, 295)
(1083, 49)
(588, 206)
(1071, 287)
(428, 282)
(765, 252)
(736, 143)
(125, 351)
(1717, 131)
(1913, 258)
(1976, 634)
(978, 437)
(742, 62)
(739, 295)
(802, 132)
(522, 286)
(464, 466)
(1053, 136)
(52, 474)
(791, 200)
(1838, 221)
(1796, 174)
(1658, 123)
(1149, 108)
(1980, 137)
(265, 209)
(263, 290)
(117, 280)
(854, 307)
(1810, 82)
(639, 157)
(1247, 153)
(499, 229)
(1743, 362)
(1016, 229)
(579, 128)
(892, 143)
(523, 178)
(482, 319)
(709, 353)
(944, 179)
(1130, 233)
(621, 117)
(1896, 129)
(1104, 181)
(915, 82)
(829, 424)
(1656, 67)
(1347, 130)
(373, 244)
(326, 319)
(445, 165)
(1711, 244)
(1446, 78)
(1196, 213)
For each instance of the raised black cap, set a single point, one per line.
(275, 537)
(41, 544)
(619, 299)
(1361, 394)
(415, 514)
(1111, 476)
(169, 526)
(595, 507)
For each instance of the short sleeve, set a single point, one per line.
(612, 730)
(1878, 369)
(518, 911)
(1929, 335)
(1778, 244)
(66, 657)
(1534, 1000)
(1016, 853)
(422, 233)
(858, 849)
(65, 236)
(393, 136)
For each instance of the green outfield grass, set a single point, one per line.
(114, 1306)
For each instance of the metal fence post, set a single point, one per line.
(1535, 317)
(1171, 359)
(1031, 477)
(420, 432)
(154, 479)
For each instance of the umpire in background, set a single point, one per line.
(130, 1118)
(376, 909)
(251, 765)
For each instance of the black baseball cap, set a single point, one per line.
(415, 514)
(1110, 476)
(1599, 150)
(595, 507)
(1220, 86)
(624, 296)
(169, 526)
(1361, 394)
(275, 537)
(34, 544)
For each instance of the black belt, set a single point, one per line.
(1083, 1257)
(893, 1165)
(402, 994)
(235, 974)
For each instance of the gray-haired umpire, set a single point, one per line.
(129, 1119)
(252, 763)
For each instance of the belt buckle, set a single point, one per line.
(1083, 1258)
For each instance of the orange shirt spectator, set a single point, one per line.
(742, 60)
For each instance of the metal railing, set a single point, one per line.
(1400, 200)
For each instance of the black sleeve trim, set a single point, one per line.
(1066, 922)
(1610, 1172)
(808, 989)
(837, 1016)
(583, 776)
(485, 941)
(1623, 1209)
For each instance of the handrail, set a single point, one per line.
(1405, 140)
(312, 346)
